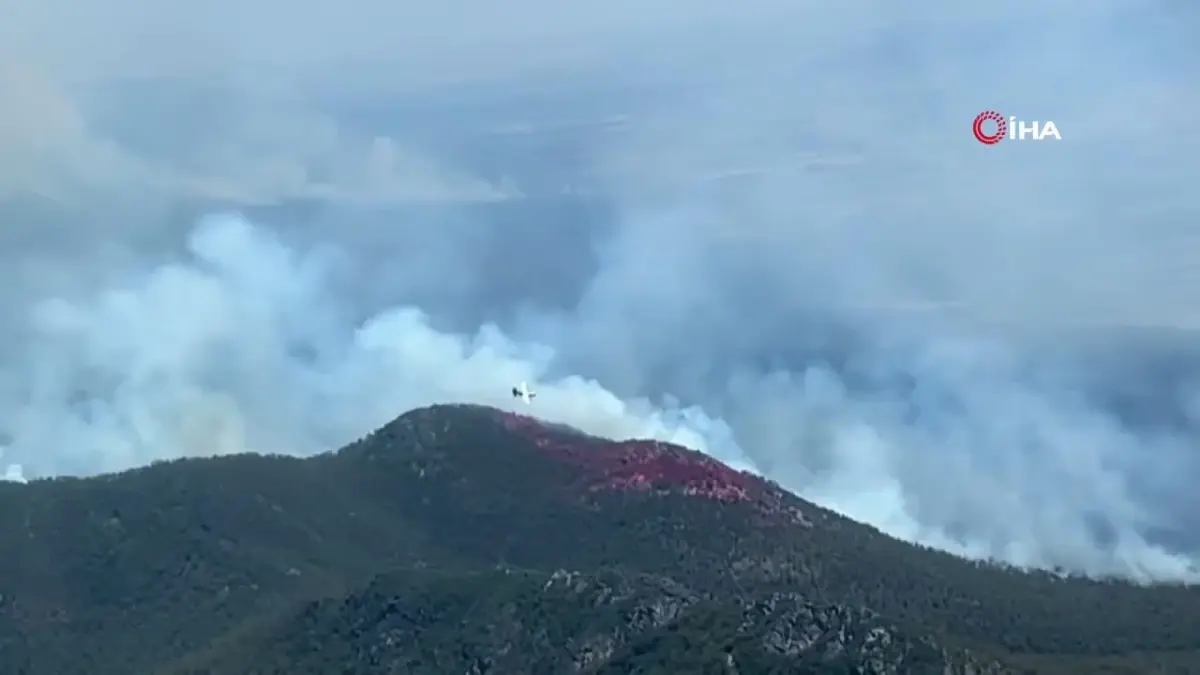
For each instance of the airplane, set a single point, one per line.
(523, 392)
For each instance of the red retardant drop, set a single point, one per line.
(646, 465)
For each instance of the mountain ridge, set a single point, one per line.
(162, 565)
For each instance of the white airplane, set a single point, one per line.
(523, 392)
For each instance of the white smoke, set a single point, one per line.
(13, 473)
(242, 348)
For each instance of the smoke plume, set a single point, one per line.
(762, 230)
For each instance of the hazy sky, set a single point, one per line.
(762, 228)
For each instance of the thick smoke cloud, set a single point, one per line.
(762, 230)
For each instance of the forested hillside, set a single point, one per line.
(463, 539)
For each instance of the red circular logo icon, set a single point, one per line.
(984, 137)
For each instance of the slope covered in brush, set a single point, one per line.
(606, 623)
(130, 572)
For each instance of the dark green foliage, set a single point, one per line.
(254, 564)
(608, 623)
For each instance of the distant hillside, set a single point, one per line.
(291, 565)
(428, 623)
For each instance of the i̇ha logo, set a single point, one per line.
(990, 128)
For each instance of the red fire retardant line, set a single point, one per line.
(644, 465)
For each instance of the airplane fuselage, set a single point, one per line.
(522, 392)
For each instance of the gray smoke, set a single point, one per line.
(762, 230)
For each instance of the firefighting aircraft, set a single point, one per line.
(523, 392)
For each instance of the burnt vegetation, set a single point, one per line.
(459, 539)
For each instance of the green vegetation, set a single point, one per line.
(610, 623)
(432, 547)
